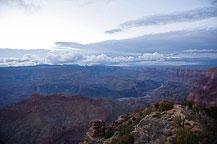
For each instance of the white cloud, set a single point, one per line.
(151, 56)
(67, 57)
(200, 50)
(163, 19)
(59, 57)
(26, 60)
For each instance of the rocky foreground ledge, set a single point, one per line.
(95, 132)
(166, 122)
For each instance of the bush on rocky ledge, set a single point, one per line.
(166, 105)
(125, 139)
(186, 136)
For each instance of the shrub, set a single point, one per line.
(109, 134)
(125, 139)
(190, 104)
(166, 105)
(186, 102)
(186, 136)
(133, 118)
(137, 121)
(125, 129)
(156, 105)
(147, 111)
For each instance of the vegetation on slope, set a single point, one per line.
(165, 122)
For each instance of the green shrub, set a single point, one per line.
(125, 129)
(147, 111)
(125, 139)
(137, 121)
(156, 105)
(166, 105)
(109, 134)
(190, 104)
(186, 102)
(186, 136)
(133, 118)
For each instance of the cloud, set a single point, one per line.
(66, 57)
(113, 31)
(61, 57)
(28, 5)
(69, 44)
(84, 3)
(151, 56)
(200, 50)
(172, 48)
(214, 2)
(26, 60)
(163, 19)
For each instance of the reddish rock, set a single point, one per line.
(204, 92)
(54, 119)
(95, 132)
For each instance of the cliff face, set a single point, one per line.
(204, 92)
(167, 122)
(95, 131)
(185, 75)
(54, 119)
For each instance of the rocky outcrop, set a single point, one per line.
(204, 92)
(95, 132)
(166, 122)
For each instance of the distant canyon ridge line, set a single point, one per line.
(134, 85)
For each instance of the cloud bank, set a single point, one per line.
(198, 47)
(66, 57)
(163, 19)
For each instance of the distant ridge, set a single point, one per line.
(54, 119)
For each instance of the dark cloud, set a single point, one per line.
(214, 1)
(113, 31)
(162, 19)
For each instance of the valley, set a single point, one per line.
(123, 83)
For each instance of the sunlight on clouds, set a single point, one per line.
(33, 24)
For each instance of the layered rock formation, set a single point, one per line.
(204, 92)
(54, 119)
(18, 83)
(167, 122)
(95, 132)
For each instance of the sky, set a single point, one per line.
(88, 32)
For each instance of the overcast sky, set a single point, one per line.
(28, 24)
(112, 32)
